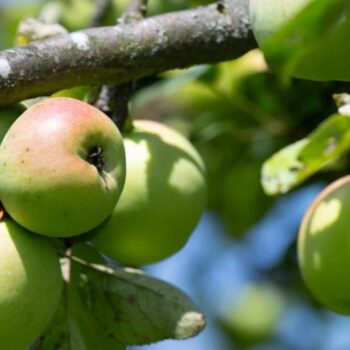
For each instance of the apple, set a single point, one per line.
(162, 201)
(253, 315)
(62, 167)
(324, 246)
(30, 285)
(324, 60)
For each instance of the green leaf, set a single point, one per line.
(281, 172)
(57, 334)
(134, 308)
(74, 327)
(312, 33)
(110, 308)
(293, 164)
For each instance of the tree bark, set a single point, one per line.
(118, 54)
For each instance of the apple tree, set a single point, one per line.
(122, 121)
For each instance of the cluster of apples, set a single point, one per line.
(324, 239)
(65, 170)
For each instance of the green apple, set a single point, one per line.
(163, 197)
(62, 167)
(30, 285)
(252, 317)
(326, 59)
(269, 15)
(324, 246)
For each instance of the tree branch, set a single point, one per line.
(114, 99)
(113, 55)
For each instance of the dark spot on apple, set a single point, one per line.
(4, 164)
(95, 157)
(27, 149)
(65, 214)
(22, 161)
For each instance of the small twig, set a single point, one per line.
(118, 54)
(67, 265)
(137, 10)
(106, 270)
(114, 99)
(102, 7)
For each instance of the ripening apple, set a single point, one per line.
(324, 246)
(163, 198)
(62, 167)
(252, 315)
(30, 285)
(325, 59)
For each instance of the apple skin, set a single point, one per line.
(30, 285)
(322, 61)
(47, 183)
(268, 16)
(163, 198)
(324, 246)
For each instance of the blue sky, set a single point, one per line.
(213, 269)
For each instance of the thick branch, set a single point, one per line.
(110, 55)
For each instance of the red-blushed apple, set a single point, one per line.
(30, 285)
(62, 167)
(163, 198)
(324, 246)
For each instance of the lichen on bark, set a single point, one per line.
(117, 54)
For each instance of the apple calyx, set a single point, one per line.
(95, 157)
